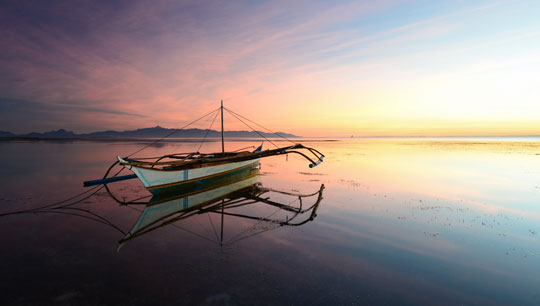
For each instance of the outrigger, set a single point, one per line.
(182, 171)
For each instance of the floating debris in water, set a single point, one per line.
(309, 173)
(433, 234)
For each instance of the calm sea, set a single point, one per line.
(400, 222)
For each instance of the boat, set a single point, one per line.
(178, 172)
(186, 172)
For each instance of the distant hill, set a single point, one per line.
(6, 134)
(153, 132)
(61, 133)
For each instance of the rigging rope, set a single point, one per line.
(236, 115)
(230, 111)
(174, 131)
(252, 128)
(207, 131)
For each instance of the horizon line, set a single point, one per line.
(289, 133)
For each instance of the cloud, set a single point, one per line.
(18, 105)
(31, 113)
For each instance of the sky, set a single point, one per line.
(311, 68)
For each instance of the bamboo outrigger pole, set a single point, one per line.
(222, 140)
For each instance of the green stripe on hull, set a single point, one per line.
(206, 183)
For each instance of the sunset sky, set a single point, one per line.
(311, 68)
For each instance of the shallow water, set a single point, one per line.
(441, 222)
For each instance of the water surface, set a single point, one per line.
(402, 221)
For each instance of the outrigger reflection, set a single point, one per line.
(230, 197)
(239, 200)
(184, 171)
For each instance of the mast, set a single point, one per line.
(222, 140)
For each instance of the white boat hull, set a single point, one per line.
(158, 181)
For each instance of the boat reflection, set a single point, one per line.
(238, 200)
(238, 196)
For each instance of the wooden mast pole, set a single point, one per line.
(222, 139)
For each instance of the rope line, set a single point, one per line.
(97, 218)
(252, 228)
(260, 126)
(80, 215)
(208, 131)
(213, 227)
(193, 233)
(174, 131)
(96, 189)
(253, 234)
(252, 128)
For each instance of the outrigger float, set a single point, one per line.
(183, 171)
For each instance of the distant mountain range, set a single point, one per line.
(153, 132)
